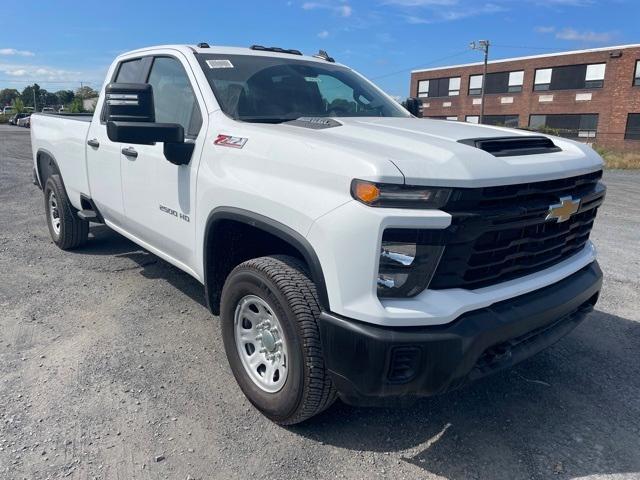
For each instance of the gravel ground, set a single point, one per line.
(112, 368)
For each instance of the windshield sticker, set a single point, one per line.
(229, 141)
(312, 79)
(219, 64)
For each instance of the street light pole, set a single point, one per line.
(482, 45)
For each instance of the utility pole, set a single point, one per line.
(483, 46)
(33, 90)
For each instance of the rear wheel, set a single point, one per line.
(268, 313)
(67, 230)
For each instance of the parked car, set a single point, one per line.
(47, 109)
(17, 117)
(349, 248)
(24, 121)
(7, 110)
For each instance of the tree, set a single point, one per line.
(18, 105)
(31, 93)
(7, 96)
(86, 92)
(64, 96)
(48, 99)
(76, 105)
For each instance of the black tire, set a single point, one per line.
(284, 284)
(73, 231)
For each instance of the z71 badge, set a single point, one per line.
(229, 141)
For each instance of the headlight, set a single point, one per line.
(398, 196)
(407, 262)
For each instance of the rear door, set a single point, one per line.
(103, 155)
(159, 197)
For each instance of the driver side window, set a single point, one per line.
(173, 96)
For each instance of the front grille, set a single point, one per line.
(500, 233)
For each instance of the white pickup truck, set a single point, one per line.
(349, 248)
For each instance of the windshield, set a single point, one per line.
(271, 89)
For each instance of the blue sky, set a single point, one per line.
(62, 43)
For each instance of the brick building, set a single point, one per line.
(590, 95)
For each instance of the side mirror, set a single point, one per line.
(414, 106)
(130, 102)
(131, 116)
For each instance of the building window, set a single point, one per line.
(423, 88)
(439, 87)
(633, 126)
(571, 77)
(636, 80)
(501, 82)
(511, 121)
(570, 125)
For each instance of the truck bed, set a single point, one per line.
(64, 137)
(82, 117)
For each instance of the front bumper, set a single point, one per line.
(372, 364)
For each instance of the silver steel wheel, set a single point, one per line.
(261, 344)
(54, 213)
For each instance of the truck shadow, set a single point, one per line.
(572, 411)
(107, 242)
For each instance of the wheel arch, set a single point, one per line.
(46, 166)
(214, 276)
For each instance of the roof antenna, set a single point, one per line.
(324, 56)
(203, 45)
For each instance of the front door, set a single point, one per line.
(159, 197)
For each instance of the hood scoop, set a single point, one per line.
(513, 146)
(315, 123)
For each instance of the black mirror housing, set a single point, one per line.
(130, 102)
(144, 133)
(130, 117)
(178, 153)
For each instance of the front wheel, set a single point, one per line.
(269, 308)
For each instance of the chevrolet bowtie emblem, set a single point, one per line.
(561, 212)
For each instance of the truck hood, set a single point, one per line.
(428, 152)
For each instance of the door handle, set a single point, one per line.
(93, 143)
(129, 152)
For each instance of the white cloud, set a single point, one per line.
(421, 3)
(19, 72)
(545, 29)
(343, 10)
(434, 11)
(323, 34)
(571, 34)
(452, 14)
(13, 51)
(585, 36)
(39, 73)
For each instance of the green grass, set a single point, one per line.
(621, 160)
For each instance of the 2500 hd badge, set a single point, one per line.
(171, 211)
